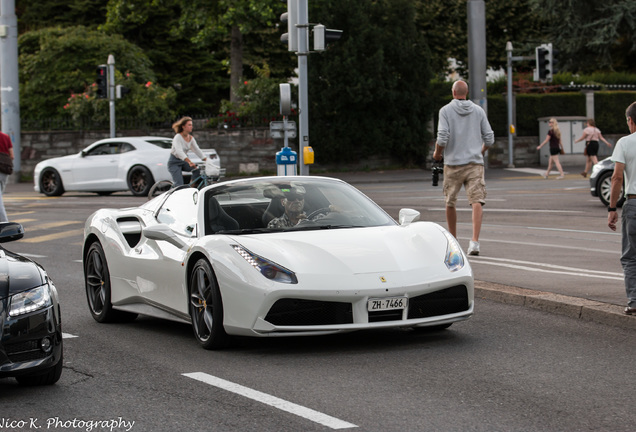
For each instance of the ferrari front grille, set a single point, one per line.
(443, 302)
(299, 312)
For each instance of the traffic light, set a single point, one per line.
(291, 18)
(546, 62)
(543, 66)
(322, 36)
(102, 81)
(120, 91)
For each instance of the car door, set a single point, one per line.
(158, 263)
(98, 168)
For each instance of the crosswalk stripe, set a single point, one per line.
(50, 225)
(54, 236)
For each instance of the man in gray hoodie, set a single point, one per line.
(463, 136)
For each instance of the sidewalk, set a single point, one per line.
(574, 307)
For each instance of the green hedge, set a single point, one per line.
(609, 110)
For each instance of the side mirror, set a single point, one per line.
(164, 233)
(407, 216)
(10, 231)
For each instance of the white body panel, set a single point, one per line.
(89, 172)
(345, 265)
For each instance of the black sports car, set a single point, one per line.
(31, 327)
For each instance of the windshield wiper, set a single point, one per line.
(251, 231)
(321, 227)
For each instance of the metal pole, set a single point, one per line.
(9, 82)
(511, 163)
(111, 93)
(477, 52)
(303, 93)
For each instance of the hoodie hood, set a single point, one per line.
(463, 107)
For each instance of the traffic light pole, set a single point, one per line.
(511, 127)
(9, 83)
(303, 81)
(111, 93)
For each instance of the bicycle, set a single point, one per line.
(199, 182)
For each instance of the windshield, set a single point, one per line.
(277, 204)
(163, 143)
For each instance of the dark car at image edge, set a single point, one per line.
(31, 327)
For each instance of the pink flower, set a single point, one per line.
(148, 84)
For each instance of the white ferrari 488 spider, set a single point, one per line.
(274, 256)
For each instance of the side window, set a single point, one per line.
(102, 149)
(179, 211)
(125, 148)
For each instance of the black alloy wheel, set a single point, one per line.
(206, 307)
(140, 180)
(51, 182)
(97, 282)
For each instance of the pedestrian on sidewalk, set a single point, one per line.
(463, 136)
(592, 135)
(624, 158)
(6, 146)
(556, 148)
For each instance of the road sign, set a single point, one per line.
(277, 129)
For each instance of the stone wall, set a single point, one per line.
(253, 150)
(240, 150)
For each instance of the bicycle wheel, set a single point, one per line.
(159, 188)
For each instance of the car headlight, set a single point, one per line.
(454, 258)
(267, 268)
(30, 301)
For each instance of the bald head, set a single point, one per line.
(460, 90)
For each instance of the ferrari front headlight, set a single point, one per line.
(30, 301)
(267, 268)
(454, 258)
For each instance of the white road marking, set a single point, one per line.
(281, 404)
(68, 336)
(547, 268)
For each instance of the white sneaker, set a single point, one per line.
(473, 248)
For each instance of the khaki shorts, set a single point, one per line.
(471, 176)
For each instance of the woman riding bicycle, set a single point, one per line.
(183, 142)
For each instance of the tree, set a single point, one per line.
(196, 72)
(57, 62)
(445, 27)
(39, 14)
(592, 35)
(368, 91)
(233, 20)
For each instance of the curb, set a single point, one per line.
(573, 307)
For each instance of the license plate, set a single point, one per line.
(388, 303)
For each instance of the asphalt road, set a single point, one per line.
(508, 368)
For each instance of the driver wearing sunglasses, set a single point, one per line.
(294, 203)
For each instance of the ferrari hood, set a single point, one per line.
(353, 251)
(17, 274)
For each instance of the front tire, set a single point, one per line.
(206, 307)
(97, 283)
(159, 188)
(604, 188)
(140, 180)
(51, 182)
